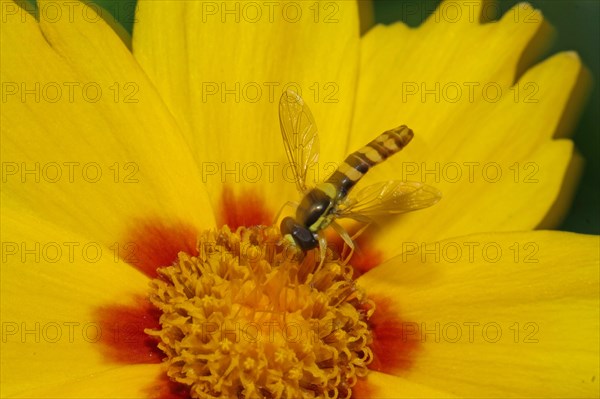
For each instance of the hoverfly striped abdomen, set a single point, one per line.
(359, 162)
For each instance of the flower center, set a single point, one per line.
(250, 318)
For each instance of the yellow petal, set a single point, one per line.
(133, 381)
(221, 68)
(385, 386)
(86, 141)
(396, 58)
(498, 315)
(564, 198)
(483, 127)
(53, 283)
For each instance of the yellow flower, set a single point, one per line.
(116, 163)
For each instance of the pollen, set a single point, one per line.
(252, 317)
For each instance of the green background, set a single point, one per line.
(577, 27)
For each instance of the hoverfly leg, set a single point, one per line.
(353, 238)
(322, 250)
(290, 204)
(347, 240)
(361, 230)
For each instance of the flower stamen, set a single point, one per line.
(250, 318)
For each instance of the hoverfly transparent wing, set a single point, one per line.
(300, 136)
(388, 198)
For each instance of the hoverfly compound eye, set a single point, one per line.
(302, 236)
(305, 238)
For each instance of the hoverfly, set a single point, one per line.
(328, 201)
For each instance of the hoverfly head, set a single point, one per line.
(302, 236)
